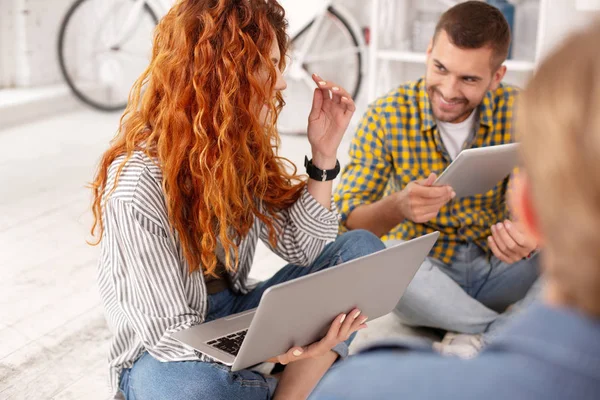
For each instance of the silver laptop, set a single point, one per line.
(300, 311)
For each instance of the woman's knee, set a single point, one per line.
(152, 379)
(358, 243)
(348, 246)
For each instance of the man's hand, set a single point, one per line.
(420, 202)
(510, 243)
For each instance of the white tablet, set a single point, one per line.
(476, 171)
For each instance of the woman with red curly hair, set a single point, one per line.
(188, 186)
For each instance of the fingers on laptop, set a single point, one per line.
(293, 354)
(340, 330)
(350, 324)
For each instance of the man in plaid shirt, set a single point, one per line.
(483, 262)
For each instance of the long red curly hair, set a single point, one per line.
(194, 110)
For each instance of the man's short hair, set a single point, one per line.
(476, 24)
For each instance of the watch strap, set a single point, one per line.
(318, 174)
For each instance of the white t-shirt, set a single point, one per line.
(454, 136)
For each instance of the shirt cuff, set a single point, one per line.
(310, 216)
(341, 349)
(346, 207)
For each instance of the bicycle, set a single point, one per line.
(329, 41)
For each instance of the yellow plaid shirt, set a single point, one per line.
(398, 142)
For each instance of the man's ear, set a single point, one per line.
(428, 52)
(524, 209)
(498, 76)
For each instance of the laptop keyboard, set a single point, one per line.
(229, 344)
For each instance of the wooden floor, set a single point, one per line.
(53, 337)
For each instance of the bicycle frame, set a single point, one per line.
(311, 24)
(160, 7)
(312, 19)
(300, 14)
(297, 25)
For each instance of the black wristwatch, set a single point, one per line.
(321, 174)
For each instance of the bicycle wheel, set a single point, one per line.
(98, 73)
(335, 54)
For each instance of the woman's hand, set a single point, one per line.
(332, 109)
(340, 330)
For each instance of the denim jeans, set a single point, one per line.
(471, 295)
(186, 380)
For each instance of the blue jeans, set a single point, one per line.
(186, 380)
(471, 295)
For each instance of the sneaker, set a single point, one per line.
(459, 345)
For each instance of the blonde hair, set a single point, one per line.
(558, 123)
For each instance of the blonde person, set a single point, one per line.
(191, 183)
(552, 351)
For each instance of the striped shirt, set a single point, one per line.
(398, 142)
(144, 280)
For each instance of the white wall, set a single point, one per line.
(300, 12)
(564, 17)
(29, 38)
(7, 40)
(30, 30)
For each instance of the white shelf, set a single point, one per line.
(405, 56)
(377, 54)
(516, 65)
(418, 58)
